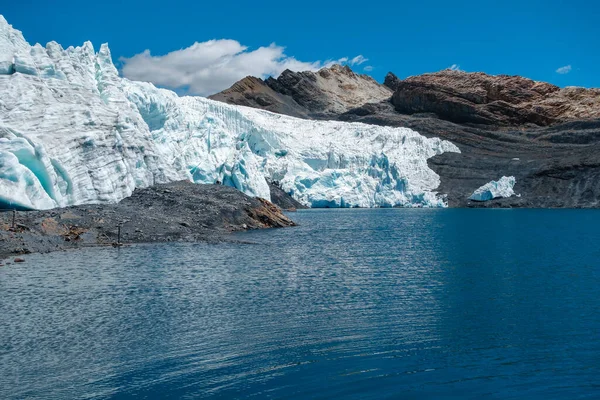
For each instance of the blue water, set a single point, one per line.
(354, 304)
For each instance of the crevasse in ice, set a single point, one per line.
(73, 132)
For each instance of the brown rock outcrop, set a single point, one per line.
(500, 100)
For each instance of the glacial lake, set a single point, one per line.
(352, 304)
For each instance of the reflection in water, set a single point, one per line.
(352, 304)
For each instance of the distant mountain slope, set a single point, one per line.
(545, 136)
(320, 95)
(254, 92)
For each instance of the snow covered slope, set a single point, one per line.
(73, 132)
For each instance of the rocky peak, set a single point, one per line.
(338, 69)
(391, 81)
(323, 94)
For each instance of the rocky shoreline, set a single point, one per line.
(179, 211)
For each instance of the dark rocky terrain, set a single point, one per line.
(179, 211)
(284, 200)
(545, 136)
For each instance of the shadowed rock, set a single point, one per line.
(284, 200)
(391, 81)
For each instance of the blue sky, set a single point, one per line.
(529, 38)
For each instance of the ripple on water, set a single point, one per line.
(351, 304)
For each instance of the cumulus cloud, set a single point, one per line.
(209, 67)
(564, 70)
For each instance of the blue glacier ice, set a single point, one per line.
(504, 187)
(72, 131)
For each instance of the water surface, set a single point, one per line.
(354, 304)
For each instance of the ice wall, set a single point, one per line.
(73, 132)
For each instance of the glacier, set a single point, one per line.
(72, 131)
(503, 187)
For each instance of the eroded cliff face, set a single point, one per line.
(547, 137)
(501, 100)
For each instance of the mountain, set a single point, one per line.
(73, 132)
(546, 137)
(500, 100)
(319, 95)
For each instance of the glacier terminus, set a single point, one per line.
(72, 131)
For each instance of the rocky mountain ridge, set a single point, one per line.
(318, 95)
(547, 137)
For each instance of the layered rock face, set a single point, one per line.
(320, 95)
(548, 138)
(493, 100)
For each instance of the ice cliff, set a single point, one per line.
(495, 189)
(73, 132)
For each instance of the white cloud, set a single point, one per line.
(564, 70)
(359, 59)
(209, 67)
(368, 68)
(454, 67)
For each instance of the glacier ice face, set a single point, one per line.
(73, 132)
(504, 187)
